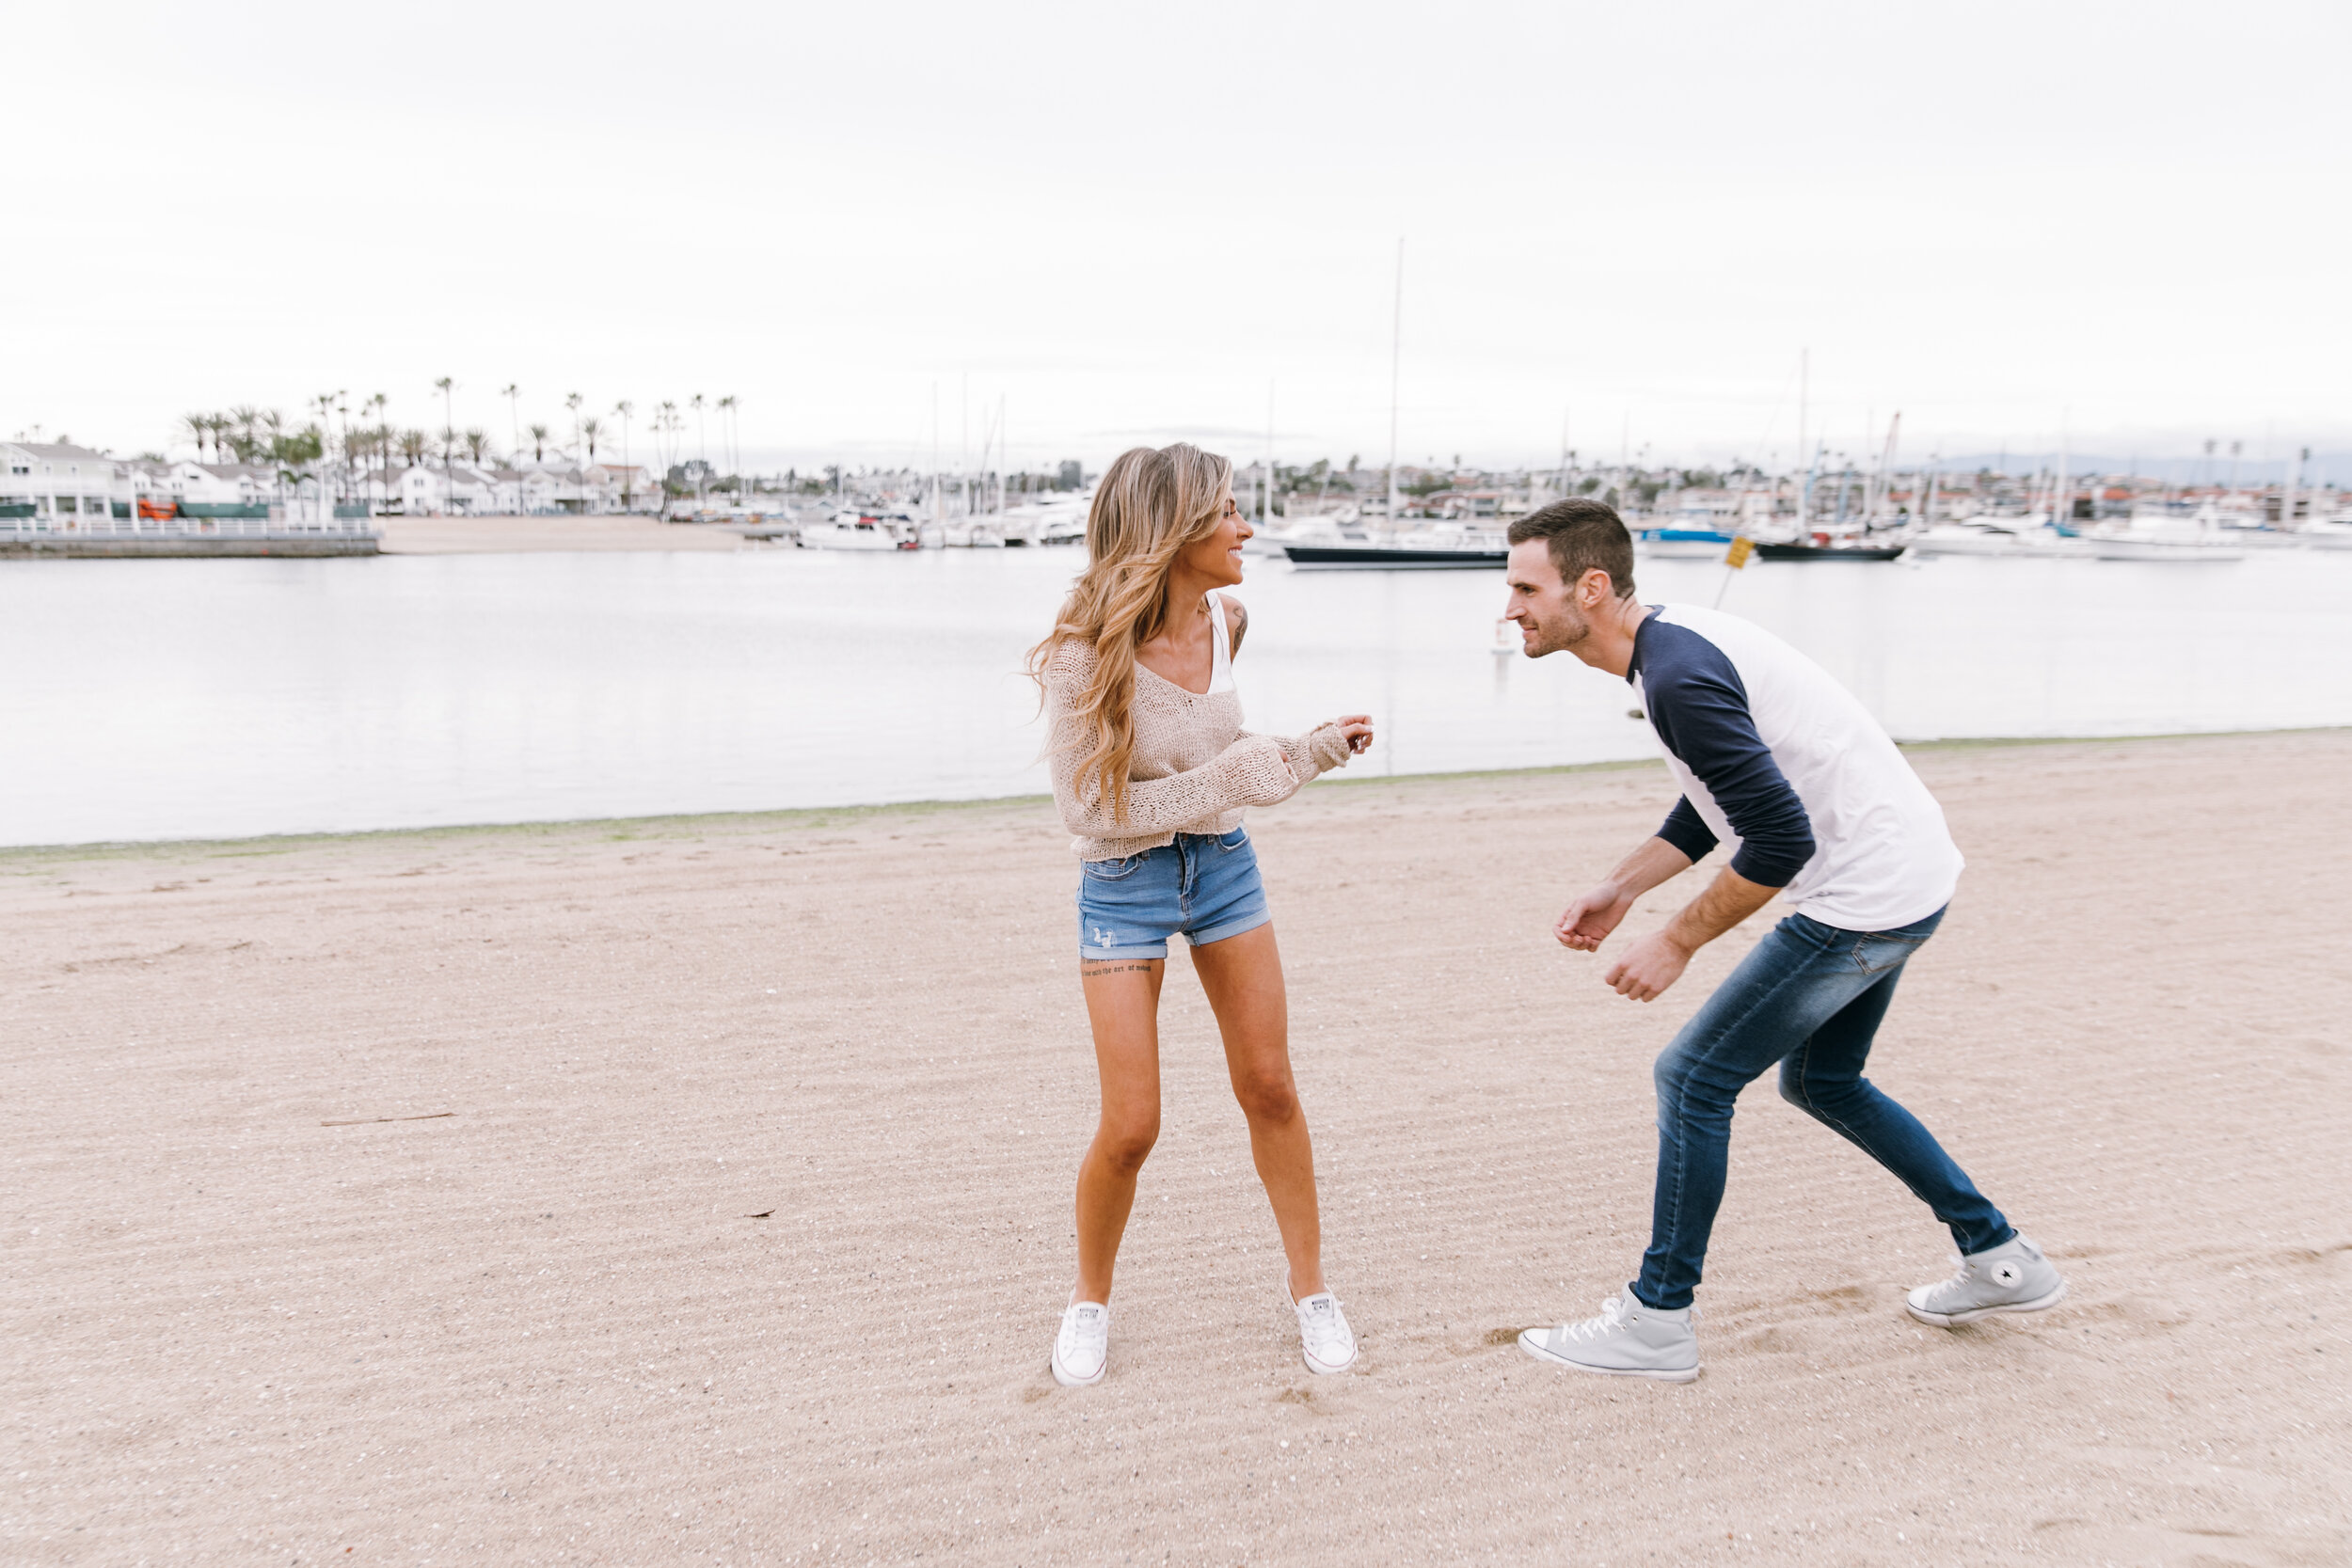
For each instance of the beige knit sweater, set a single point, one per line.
(1195, 766)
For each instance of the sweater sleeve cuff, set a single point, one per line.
(1687, 832)
(1763, 867)
(1328, 746)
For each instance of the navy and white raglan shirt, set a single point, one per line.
(1773, 754)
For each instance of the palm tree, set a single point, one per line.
(412, 445)
(383, 442)
(477, 442)
(590, 428)
(513, 394)
(447, 387)
(539, 443)
(197, 427)
(622, 409)
(242, 419)
(726, 422)
(573, 403)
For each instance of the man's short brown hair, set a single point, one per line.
(1582, 533)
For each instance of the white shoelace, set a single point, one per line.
(1611, 1319)
(1085, 1331)
(1963, 1277)
(1325, 1329)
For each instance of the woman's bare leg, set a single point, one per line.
(1242, 976)
(1123, 1005)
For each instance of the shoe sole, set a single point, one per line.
(1068, 1382)
(1321, 1370)
(1054, 1362)
(1654, 1375)
(1953, 1320)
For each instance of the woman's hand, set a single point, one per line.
(1356, 727)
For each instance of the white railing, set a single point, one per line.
(277, 525)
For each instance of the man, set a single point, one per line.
(1774, 755)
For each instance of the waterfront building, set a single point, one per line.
(203, 483)
(426, 491)
(58, 482)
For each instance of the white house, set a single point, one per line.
(623, 487)
(61, 483)
(597, 489)
(455, 491)
(205, 483)
(484, 492)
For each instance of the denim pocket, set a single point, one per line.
(1110, 871)
(1877, 952)
(1233, 840)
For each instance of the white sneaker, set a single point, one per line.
(1324, 1338)
(2012, 1277)
(1628, 1339)
(1083, 1348)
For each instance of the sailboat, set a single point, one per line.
(1439, 546)
(1822, 545)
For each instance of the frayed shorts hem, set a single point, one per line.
(1096, 955)
(1192, 939)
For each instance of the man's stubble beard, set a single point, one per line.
(1573, 631)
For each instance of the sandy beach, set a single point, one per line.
(535, 535)
(698, 1191)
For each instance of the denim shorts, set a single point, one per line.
(1204, 885)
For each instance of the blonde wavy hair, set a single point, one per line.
(1150, 505)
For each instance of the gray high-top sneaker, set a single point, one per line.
(1628, 1339)
(2012, 1277)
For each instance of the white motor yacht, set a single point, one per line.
(862, 529)
(2175, 539)
(1993, 538)
(971, 533)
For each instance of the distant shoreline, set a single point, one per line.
(788, 818)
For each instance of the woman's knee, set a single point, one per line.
(1126, 1142)
(1267, 1098)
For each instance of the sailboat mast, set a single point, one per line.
(1396, 361)
(1265, 513)
(1805, 393)
(2061, 501)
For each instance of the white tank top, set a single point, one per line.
(1221, 661)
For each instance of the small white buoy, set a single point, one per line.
(1507, 640)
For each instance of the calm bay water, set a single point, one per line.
(178, 699)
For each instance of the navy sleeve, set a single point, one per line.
(1700, 707)
(1684, 830)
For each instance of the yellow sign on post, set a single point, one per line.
(1741, 549)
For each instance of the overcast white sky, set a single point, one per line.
(1127, 222)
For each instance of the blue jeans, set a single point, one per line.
(1809, 997)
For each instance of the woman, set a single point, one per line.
(1151, 769)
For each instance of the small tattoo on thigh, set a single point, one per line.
(1095, 966)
